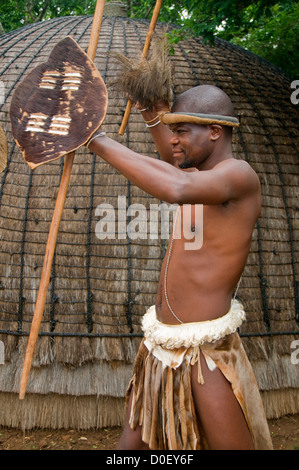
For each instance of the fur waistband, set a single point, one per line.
(193, 333)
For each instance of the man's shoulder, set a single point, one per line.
(235, 163)
(240, 168)
(241, 175)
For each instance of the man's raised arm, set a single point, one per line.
(160, 133)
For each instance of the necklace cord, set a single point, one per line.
(167, 266)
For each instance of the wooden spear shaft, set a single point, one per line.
(54, 227)
(144, 54)
(95, 30)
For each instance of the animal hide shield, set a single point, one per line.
(59, 105)
(3, 150)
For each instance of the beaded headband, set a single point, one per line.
(198, 118)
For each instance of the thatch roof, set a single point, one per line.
(100, 289)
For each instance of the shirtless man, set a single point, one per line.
(197, 167)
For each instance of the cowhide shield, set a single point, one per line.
(59, 105)
(3, 150)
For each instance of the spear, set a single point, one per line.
(54, 227)
(3, 150)
(144, 54)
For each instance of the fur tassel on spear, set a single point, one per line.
(146, 80)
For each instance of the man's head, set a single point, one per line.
(207, 113)
(204, 99)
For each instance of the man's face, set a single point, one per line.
(191, 144)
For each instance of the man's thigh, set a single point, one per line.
(218, 411)
(131, 439)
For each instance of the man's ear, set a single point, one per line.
(216, 132)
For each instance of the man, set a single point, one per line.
(192, 386)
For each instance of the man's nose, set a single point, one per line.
(174, 139)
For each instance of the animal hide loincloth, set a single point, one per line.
(162, 402)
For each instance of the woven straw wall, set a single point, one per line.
(100, 288)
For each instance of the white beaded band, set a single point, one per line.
(153, 125)
(101, 134)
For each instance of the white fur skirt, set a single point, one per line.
(160, 388)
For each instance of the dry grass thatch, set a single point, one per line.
(99, 289)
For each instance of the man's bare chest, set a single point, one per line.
(195, 224)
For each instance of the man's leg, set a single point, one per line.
(218, 411)
(130, 439)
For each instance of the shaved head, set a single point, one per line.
(206, 99)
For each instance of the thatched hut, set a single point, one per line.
(100, 288)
